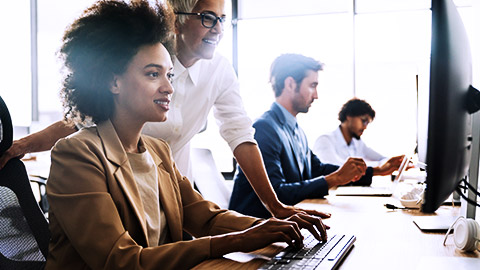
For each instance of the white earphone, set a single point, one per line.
(466, 234)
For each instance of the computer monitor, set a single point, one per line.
(451, 100)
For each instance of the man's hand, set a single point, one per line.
(352, 170)
(389, 167)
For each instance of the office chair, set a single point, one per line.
(24, 233)
(6, 128)
(208, 179)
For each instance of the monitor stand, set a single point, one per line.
(470, 209)
(453, 200)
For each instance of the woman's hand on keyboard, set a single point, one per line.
(259, 236)
(307, 219)
(310, 222)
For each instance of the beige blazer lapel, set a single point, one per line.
(122, 171)
(168, 197)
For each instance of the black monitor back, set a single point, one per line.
(449, 123)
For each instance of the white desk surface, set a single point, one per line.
(386, 239)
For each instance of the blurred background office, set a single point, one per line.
(377, 50)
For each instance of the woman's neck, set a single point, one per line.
(185, 57)
(128, 132)
(346, 134)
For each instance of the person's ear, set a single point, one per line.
(178, 26)
(115, 85)
(348, 119)
(290, 84)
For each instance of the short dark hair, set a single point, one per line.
(101, 44)
(355, 107)
(291, 65)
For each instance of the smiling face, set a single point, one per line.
(305, 92)
(142, 93)
(194, 41)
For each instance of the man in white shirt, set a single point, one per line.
(344, 142)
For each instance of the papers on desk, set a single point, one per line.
(244, 257)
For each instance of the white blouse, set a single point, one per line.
(206, 84)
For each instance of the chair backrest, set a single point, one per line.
(208, 178)
(24, 233)
(6, 129)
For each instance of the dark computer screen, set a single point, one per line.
(449, 135)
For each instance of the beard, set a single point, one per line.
(302, 108)
(356, 136)
(299, 103)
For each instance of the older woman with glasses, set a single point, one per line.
(203, 80)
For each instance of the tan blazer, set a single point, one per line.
(97, 218)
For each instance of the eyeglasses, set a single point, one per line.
(365, 121)
(209, 19)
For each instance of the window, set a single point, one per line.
(51, 27)
(377, 53)
(15, 55)
(327, 38)
(391, 50)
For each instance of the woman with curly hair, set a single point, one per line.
(117, 200)
(204, 80)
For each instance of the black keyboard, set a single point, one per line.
(314, 254)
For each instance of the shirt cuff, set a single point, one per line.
(234, 144)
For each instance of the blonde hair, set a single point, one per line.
(182, 6)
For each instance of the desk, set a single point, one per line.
(38, 163)
(386, 239)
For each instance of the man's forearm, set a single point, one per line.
(250, 160)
